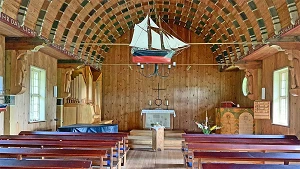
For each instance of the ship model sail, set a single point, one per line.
(152, 44)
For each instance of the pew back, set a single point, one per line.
(241, 141)
(44, 164)
(240, 136)
(53, 137)
(248, 166)
(243, 147)
(120, 134)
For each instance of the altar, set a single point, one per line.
(163, 117)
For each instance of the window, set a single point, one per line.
(281, 97)
(37, 94)
(245, 87)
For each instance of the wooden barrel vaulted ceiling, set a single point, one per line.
(235, 26)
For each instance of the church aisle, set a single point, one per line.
(148, 159)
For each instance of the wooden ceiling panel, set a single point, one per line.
(227, 12)
(265, 20)
(243, 24)
(32, 14)
(11, 8)
(283, 13)
(51, 13)
(65, 19)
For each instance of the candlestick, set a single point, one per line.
(167, 102)
(150, 102)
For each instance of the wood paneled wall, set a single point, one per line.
(190, 92)
(270, 64)
(17, 116)
(2, 73)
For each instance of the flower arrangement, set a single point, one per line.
(157, 124)
(205, 127)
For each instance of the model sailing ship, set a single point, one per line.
(152, 44)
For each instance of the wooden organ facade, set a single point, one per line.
(81, 96)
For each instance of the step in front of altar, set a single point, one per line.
(142, 139)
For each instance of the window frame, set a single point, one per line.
(277, 97)
(41, 95)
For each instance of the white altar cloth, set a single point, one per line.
(160, 111)
(160, 116)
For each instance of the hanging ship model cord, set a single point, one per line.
(152, 44)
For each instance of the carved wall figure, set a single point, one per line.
(21, 69)
(67, 80)
(249, 77)
(295, 71)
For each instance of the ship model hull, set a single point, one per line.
(152, 56)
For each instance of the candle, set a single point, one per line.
(206, 119)
(167, 102)
(174, 64)
(150, 102)
(139, 64)
(169, 66)
(142, 66)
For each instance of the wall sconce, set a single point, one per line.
(54, 91)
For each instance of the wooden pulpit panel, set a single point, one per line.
(246, 123)
(228, 122)
(235, 120)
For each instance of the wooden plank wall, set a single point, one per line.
(270, 64)
(17, 116)
(190, 92)
(2, 73)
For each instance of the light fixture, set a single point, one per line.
(156, 70)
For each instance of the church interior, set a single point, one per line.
(202, 84)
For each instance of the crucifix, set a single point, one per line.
(158, 101)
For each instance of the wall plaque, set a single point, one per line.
(262, 109)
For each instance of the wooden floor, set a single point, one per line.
(147, 159)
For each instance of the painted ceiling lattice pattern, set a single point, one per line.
(74, 23)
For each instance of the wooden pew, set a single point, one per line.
(230, 140)
(239, 136)
(123, 135)
(19, 153)
(236, 141)
(64, 144)
(248, 166)
(242, 141)
(241, 147)
(44, 164)
(223, 138)
(245, 156)
(61, 138)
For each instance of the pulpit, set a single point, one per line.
(153, 116)
(235, 120)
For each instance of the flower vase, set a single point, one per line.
(206, 132)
